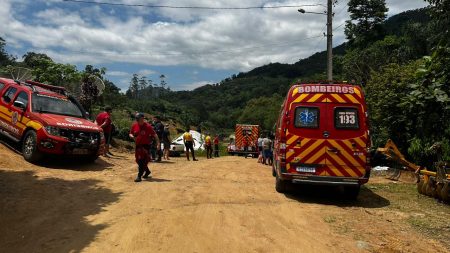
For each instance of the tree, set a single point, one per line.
(365, 24)
(143, 84)
(5, 58)
(262, 111)
(360, 64)
(384, 93)
(34, 60)
(134, 87)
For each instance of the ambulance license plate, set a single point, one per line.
(304, 169)
(80, 151)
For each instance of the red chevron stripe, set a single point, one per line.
(330, 172)
(350, 152)
(331, 99)
(339, 167)
(348, 164)
(304, 145)
(314, 151)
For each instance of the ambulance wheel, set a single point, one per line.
(419, 186)
(281, 186)
(445, 194)
(352, 192)
(29, 147)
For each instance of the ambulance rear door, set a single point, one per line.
(347, 140)
(305, 146)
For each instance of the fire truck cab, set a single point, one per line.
(322, 137)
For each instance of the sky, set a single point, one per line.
(190, 47)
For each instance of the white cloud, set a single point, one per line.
(146, 72)
(117, 73)
(232, 40)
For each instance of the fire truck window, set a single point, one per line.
(23, 97)
(9, 95)
(307, 117)
(346, 118)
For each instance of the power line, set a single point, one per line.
(236, 50)
(191, 7)
(337, 27)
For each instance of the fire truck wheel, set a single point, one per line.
(419, 186)
(445, 194)
(29, 147)
(281, 186)
(352, 192)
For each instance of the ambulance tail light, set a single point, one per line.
(282, 152)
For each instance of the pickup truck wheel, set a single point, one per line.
(281, 186)
(92, 158)
(352, 192)
(29, 147)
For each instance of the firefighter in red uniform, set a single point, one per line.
(216, 146)
(104, 121)
(143, 135)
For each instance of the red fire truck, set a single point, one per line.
(246, 141)
(322, 137)
(45, 119)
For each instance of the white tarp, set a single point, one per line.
(380, 168)
(199, 140)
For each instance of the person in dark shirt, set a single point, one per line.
(159, 129)
(166, 141)
(143, 135)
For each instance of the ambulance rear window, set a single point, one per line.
(307, 117)
(346, 118)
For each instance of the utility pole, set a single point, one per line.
(330, 41)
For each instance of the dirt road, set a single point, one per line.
(221, 205)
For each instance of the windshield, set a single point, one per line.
(54, 105)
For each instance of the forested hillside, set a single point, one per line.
(401, 62)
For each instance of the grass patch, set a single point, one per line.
(426, 215)
(330, 219)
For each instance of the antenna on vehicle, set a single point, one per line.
(99, 84)
(20, 74)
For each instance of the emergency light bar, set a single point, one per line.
(57, 89)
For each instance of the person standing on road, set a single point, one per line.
(245, 144)
(159, 129)
(166, 142)
(216, 146)
(267, 144)
(104, 121)
(189, 144)
(260, 149)
(208, 145)
(143, 135)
